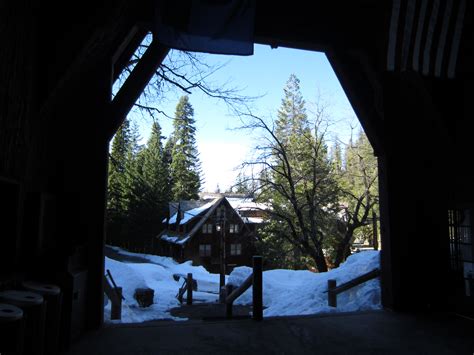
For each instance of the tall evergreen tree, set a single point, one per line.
(132, 183)
(117, 195)
(292, 118)
(336, 157)
(117, 166)
(149, 190)
(156, 171)
(359, 193)
(185, 165)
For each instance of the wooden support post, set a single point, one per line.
(228, 305)
(134, 85)
(257, 288)
(469, 285)
(125, 51)
(228, 310)
(222, 266)
(189, 291)
(228, 290)
(332, 296)
(222, 251)
(116, 311)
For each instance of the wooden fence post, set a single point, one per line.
(116, 310)
(257, 294)
(228, 305)
(228, 310)
(332, 296)
(189, 296)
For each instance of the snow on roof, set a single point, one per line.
(188, 215)
(253, 220)
(208, 208)
(245, 204)
(175, 239)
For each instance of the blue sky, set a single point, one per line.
(265, 73)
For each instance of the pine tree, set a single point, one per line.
(117, 195)
(292, 119)
(148, 190)
(241, 185)
(132, 183)
(359, 193)
(185, 165)
(336, 157)
(167, 160)
(156, 171)
(117, 169)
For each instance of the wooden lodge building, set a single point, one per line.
(201, 230)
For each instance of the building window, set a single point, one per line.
(218, 227)
(205, 250)
(207, 228)
(234, 228)
(236, 249)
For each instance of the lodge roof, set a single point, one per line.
(203, 211)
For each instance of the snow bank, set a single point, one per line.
(157, 275)
(207, 282)
(239, 275)
(285, 292)
(288, 292)
(132, 276)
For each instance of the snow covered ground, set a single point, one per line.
(290, 292)
(285, 292)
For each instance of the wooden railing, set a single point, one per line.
(188, 286)
(114, 293)
(255, 280)
(334, 290)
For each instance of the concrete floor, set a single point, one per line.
(381, 332)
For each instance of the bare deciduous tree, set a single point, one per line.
(182, 73)
(297, 182)
(310, 207)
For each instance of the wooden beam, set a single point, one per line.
(332, 296)
(116, 310)
(125, 51)
(334, 290)
(257, 288)
(134, 85)
(240, 290)
(364, 92)
(115, 297)
(357, 281)
(96, 49)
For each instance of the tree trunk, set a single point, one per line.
(319, 259)
(343, 247)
